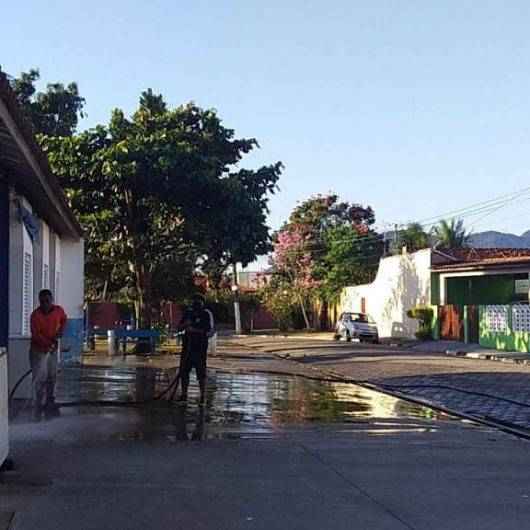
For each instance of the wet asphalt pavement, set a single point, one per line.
(266, 452)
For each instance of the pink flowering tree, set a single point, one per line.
(325, 245)
(293, 259)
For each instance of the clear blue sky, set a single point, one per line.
(414, 107)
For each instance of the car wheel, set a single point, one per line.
(336, 337)
(348, 336)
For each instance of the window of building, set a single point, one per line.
(57, 292)
(27, 293)
(46, 276)
(45, 256)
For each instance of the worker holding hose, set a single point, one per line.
(196, 324)
(47, 326)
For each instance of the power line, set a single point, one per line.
(480, 205)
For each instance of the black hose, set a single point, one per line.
(109, 403)
(18, 383)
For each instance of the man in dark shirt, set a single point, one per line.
(196, 324)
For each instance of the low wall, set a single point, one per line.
(505, 327)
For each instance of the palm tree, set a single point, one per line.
(450, 234)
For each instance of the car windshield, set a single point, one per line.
(357, 317)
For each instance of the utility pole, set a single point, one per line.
(237, 311)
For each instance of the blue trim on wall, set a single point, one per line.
(73, 338)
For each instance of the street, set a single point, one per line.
(268, 451)
(493, 391)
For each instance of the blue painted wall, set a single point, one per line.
(73, 339)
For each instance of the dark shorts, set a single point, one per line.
(194, 359)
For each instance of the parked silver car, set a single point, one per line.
(356, 326)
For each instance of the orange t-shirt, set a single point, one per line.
(45, 327)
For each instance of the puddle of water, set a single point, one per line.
(254, 406)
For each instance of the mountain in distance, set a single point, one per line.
(493, 239)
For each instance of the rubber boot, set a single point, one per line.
(51, 410)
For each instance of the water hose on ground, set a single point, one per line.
(173, 385)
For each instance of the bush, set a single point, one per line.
(425, 317)
(424, 334)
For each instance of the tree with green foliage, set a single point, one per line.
(351, 258)
(53, 112)
(151, 191)
(414, 238)
(281, 301)
(238, 230)
(450, 234)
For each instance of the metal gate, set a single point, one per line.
(451, 322)
(473, 323)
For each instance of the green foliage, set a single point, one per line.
(414, 238)
(350, 258)
(237, 231)
(450, 234)
(280, 300)
(425, 316)
(424, 334)
(153, 193)
(221, 303)
(323, 211)
(54, 112)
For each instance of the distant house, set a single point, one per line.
(41, 245)
(453, 282)
(481, 276)
(251, 281)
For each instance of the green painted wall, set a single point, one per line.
(435, 323)
(435, 288)
(481, 290)
(508, 341)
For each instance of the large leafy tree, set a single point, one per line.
(450, 234)
(54, 111)
(237, 231)
(150, 190)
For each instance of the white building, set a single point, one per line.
(41, 246)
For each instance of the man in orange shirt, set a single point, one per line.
(47, 325)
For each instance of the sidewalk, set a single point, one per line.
(472, 351)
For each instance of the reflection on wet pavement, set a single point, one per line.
(257, 406)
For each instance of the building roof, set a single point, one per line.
(27, 168)
(480, 259)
